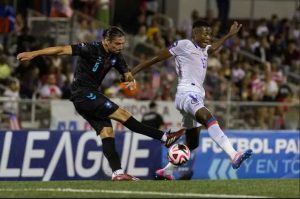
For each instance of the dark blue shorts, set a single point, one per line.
(95, 108)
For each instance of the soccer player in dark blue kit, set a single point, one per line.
(95, 61)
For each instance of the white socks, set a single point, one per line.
(169, 168)
(221, 139)
(164, 137)
(118, 172)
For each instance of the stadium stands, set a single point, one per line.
(236, 75)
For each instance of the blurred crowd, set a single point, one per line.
(274, 40)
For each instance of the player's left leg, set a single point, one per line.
(109, 150)
(192, 141)
(186, 103)
(204, 117)
(192, 137)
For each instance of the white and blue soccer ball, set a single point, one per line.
(179, 154)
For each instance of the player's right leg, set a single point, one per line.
(124, 117)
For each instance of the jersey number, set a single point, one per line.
(96, 66)
(204, 62)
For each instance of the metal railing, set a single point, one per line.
(36, 114)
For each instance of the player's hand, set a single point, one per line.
(235, 28)
(131, 85)
(25, 56)
(129, 81)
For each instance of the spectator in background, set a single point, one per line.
(11, 106)
(102, 11)
(292, 56)
(50, 90)
(61, 8)
(25, 41)
(285, 94)
(256, 86)
(296, 15)
(153, 118)
(5, 69)
(7, 17)
(141, 21)
(262, 28)
(19, 24)
(270, 93)
(153, 29)
(140, 37)
(273, 24)
(28, 75)
(83, 33)
(263, 51)
(186, 26)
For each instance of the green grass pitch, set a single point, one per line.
(152, 189)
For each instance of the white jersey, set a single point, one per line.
(191, 65)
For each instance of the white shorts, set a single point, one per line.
(188, 103)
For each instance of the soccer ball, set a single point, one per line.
(179, 154)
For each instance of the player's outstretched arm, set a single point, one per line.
(235, 28)
(162, 55)
(57, 50)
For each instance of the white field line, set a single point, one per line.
(144, 193)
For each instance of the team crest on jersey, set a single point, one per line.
(194, 99)
(113, 61)
(108, 104)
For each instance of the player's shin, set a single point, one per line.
(138, 127)
(169, 168)
(109, 151)
(219, 137)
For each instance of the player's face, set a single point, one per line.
(202, 36)
(116, 44)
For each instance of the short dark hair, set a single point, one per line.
(200, 23)
(113, 32)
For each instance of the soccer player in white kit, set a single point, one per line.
(191, 65)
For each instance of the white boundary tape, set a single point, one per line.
(144, 193)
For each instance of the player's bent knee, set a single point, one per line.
(121, 115)
(106, 132)
(202, 115)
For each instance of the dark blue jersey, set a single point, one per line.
(93, 64)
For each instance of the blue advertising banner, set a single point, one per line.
(275, 155)
(64, 155)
